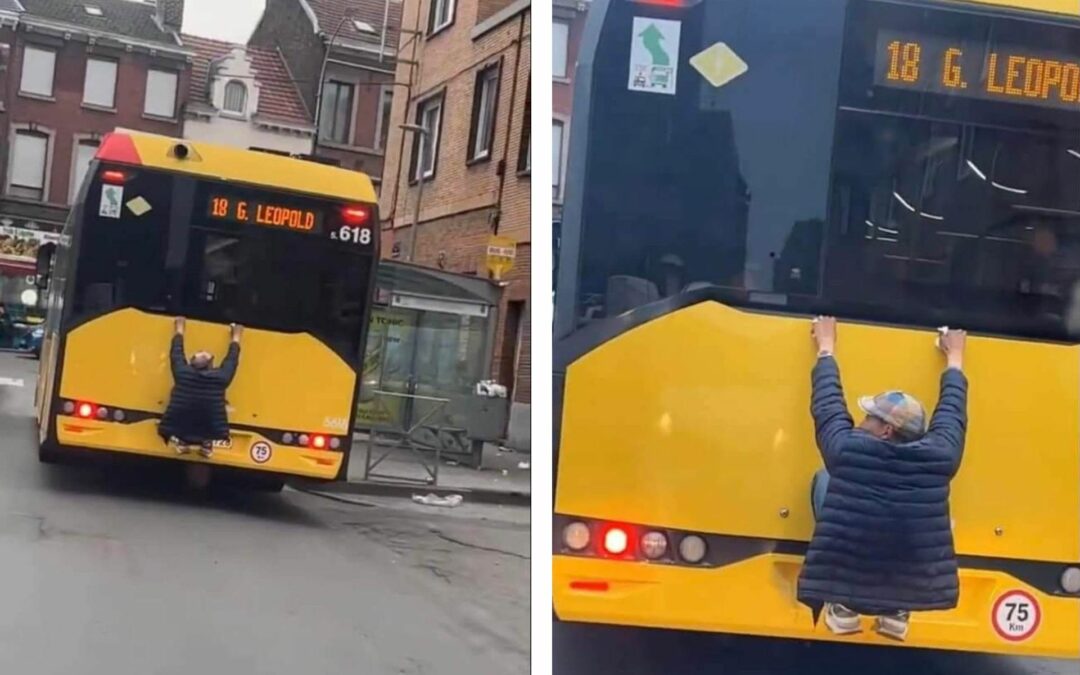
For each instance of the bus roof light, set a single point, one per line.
(113, 177)
(118, 147)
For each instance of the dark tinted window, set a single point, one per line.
(263, 279)
(803, 186)
(121, 261)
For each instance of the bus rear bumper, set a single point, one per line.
(757, 597)
(141, 438)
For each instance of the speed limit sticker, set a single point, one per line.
(261, 452)
(1016, 616)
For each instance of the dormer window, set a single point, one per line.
(235, 97)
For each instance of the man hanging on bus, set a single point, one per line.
(196, 415)
(883, 543)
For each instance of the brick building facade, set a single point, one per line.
(466, 79)
(568, 23)
(71, 73)
(358, 40)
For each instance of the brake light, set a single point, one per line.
(114, 177)
(85, 410)
(355, 215)
(318, 441)
(118, 147)
(616, 540)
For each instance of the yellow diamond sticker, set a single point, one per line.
(719, 64)
(139, 206)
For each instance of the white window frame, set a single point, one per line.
(101, 66)
(558, 177)
(483, 131)
(560, 28)
(27, 130)
(147, 98)
(423, 173)
(382, 122)
(76, 179)
(449, 6)
(243, 100)
(29, 52)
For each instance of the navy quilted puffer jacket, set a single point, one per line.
(883, 540)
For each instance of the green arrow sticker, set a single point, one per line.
(654, 55)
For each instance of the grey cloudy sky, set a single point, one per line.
(231, 20)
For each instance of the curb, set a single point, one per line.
(406, 490)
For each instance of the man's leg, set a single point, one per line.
(819, 487)
(839, 619)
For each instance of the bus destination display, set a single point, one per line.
(937, 65)
(264, 213)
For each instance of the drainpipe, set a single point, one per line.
(509, 125)
(385, 22)
(414, 77)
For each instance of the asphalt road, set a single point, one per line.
(113, 570)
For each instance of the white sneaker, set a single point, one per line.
(893, 626)
(841, 620)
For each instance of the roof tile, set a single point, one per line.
(120, 17)
(331, 13)
(279, 98)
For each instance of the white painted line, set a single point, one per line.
(9, 382)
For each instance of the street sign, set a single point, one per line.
(501, 252)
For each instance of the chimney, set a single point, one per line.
(170, 14)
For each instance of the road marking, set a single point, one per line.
(9, 382)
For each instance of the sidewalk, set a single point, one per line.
(504, 479)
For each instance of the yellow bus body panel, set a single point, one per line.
(699, 420)
(757, 597)
(1070, 7)
(262, 169)
(288, 382)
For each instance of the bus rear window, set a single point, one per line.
(811, 183)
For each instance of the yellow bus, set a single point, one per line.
(739, 166)
(164, 228)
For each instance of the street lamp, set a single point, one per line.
(421, 157)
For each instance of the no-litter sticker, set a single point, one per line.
(1016, 616)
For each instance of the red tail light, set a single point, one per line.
(318, 442)
(355, 215)
(85, 410)
(616, 540)
(114, 177)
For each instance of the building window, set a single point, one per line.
(337, 111)
(382, 129)
(557, 143)
(84, 154)
(236, 97)
(38, 68)
(99, 88)
(28, 160)
(442, 15)
(525, 149)
(560, 48)
(485, 100)
(426, 146)
(160, 94)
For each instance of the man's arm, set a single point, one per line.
(232, 358)
(832, 422)
(948, 426)
(176, 352)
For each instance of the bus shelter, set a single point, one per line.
(427, 365)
